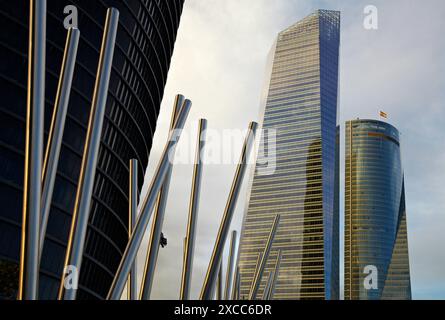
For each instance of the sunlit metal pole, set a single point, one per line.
(76, 240)
(235, 289)
(57, 127)
(32, 184)
(210, 278)
(275, 276)
(257, 268)
(184, 245)
(238, 287)
(219, 287)
(230, 266)
(265, 256)
(267, 287)
(132, 216)
(187, 267)
(148, 204)
(158, 219)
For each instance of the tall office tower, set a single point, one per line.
(301, 107)
(375, 214)
(144, 46)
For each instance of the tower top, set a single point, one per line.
(330, 14)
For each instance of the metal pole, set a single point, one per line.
(223, 232)
(132, 216)
(193, 214)
(267, 287)
(219, 287)
(257, 267)
(55, 136)
(132, 248)
(184, 248)
(32, 183)
(275, 276)
(158, 219)
(76, 240)
(235, 290)
(230, 266)
(262, 266)
(238, 287)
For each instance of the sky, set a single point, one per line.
(219, 63)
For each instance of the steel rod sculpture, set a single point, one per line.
(265, 256)
(235, 289)
(238, 287)
(210, 278)
(148, 204)
(275, 276)
(81, 212)
(32, 184)
(189, 248)
(158, 219)
(230, 266)
(132, 216)
(41, 170)
(257, 267)
(219, 287)
(268, 285)
(55, 136)
(184, 244)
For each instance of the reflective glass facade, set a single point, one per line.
(301, 106)
(144, 46)
(375, 214)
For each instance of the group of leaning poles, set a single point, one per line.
(41, 169)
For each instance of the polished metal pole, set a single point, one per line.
(76, 240)
(184, 245)
(158, 219)
(187, 266)
(210, 278)
(267, 287)
(235, 289)
(32, 183)
(132, 216)
(275, 275)
(57, 127)
(219, 287)
(265, 256)
(230, 265)
(238, 287)
(148, 204)
(257, 268)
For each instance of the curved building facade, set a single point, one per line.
(144, 46)
(375, 214)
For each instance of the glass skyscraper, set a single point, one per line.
(375, 213)
(300, 105)
(144, 46)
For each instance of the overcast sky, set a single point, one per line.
(219, 63)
